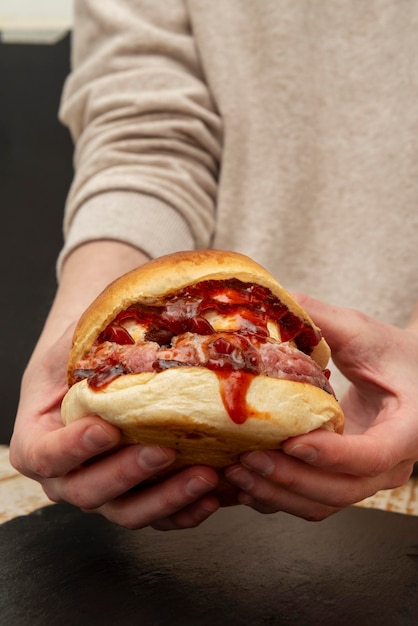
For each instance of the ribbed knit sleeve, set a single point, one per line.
(146, 130)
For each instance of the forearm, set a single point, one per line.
(85, 273)
(162, 204)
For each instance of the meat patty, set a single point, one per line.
(217, 351)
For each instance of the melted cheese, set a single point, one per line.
(219, 322)
(274, 330)
(231, 322)
(136, 330)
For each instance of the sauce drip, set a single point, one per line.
(233, 386)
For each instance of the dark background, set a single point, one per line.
(35, 174)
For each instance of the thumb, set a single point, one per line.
(351, 335)
(330, 319)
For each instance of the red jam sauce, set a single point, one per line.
(233, 386)
(183, 312)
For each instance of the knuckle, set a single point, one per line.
(269, 506)
(29, 462)
(125, 476)
(130, 525)
(345, 498)
(78, 498)
(74, 489)
(51, 493)
(14, 458)
(319, 514)
(382, 464)
(121, 515)
(175, 500)
(288, 480)
(126, 522)
(401, 475)
(39, 464)
(194, 523)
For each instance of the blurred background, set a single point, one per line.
(35, 174)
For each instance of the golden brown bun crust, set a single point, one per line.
(196, 424)
(168, 274)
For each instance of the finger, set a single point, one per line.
(93, 485)
(371, 454)
(267, 497)
(57, 452)
(164, 501)
(269, 473)
(329, 318)
(287, 483)
(292, 504)
(351, 335)
(191, 516)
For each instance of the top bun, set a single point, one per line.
(155, 280)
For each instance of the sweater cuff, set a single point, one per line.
(142, 221)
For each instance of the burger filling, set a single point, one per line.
(226, 326)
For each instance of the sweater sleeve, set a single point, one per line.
(146, 131)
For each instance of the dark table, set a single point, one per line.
(60, 566)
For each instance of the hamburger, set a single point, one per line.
(204, 352)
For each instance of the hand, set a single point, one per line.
(320, 473)
(83, 464)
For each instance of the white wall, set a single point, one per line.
(34, 19)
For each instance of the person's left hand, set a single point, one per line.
(320, 473)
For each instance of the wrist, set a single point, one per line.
(85, 273)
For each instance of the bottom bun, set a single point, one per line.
(182, 408)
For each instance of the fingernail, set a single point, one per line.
(97, 437)
(240, 477)
(260, 462)
(197, 486)
(152, 457)
(303, 452)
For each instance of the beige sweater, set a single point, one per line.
(286, 129)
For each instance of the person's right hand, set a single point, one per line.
(83, 464)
